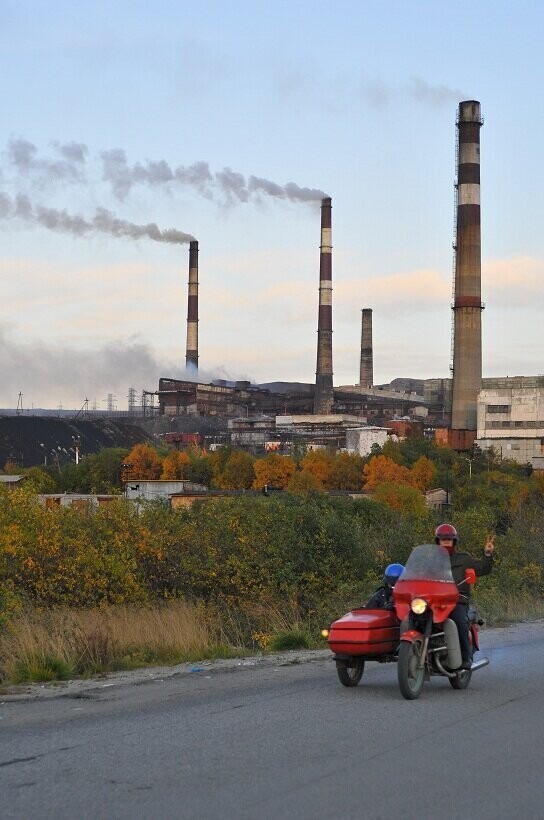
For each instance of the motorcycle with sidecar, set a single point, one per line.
(418, 634)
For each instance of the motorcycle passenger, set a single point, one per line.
(446, 536)
(383, 597)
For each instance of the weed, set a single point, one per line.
(290, 639)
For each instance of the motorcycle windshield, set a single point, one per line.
(428, 562)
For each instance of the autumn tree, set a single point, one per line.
(402, 497)
(145, 463)
(304, 483)
(274, 470)
(383, 470)
(238, 472)
(345, 473)
(319, 464)
(174, 465)
(423, 474)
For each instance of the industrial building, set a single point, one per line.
(511, 420)
(362, 439)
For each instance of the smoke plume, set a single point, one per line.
(69, 167)
(103, 222)
(231, 186)
(44, 371)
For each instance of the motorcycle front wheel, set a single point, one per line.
(410, 676)
(350, 675)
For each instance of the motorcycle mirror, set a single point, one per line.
(470, 576)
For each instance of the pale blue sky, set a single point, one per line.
(355, 99)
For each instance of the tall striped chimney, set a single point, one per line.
(191, 356)
(366, 373)
(467, 304)
(323, 395)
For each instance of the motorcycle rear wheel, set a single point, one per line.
(462, 679)
(410, 677)
(350, 675)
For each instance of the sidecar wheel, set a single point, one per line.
(410, 678)
(462, 679)
(350, 675)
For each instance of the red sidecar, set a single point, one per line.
(363, 635)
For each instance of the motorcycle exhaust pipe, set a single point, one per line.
(479, 664)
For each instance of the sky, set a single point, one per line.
(127, 128)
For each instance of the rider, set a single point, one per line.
(383, 597)
(446, 536)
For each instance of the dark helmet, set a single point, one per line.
(392, 574)
(447, 531)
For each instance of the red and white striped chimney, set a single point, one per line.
(366, 369)
(324, 395)
(467, 305)
(191, 356)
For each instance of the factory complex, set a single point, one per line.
(505, 413)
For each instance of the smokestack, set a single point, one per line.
(323, 395)
(366, 373)
(191, 356)
(467, 305)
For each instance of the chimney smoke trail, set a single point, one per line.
(103, 222)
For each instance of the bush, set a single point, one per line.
(291, 639)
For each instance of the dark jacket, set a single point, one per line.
(461, 561)
(381, 599)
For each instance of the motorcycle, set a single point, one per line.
(425, 595)
(418, 634)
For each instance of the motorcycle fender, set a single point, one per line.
(411, 635)
(451, 635)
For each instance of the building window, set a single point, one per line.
(518, 424)
(498, 408)
(505, 424)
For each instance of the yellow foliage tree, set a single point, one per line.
(383, 470)
(273, 470)
(145, 463)
(319, 464)
(345, 473)
(402, 497)
(304, 482)
(423, 474)
(174, 465)
(238, 472)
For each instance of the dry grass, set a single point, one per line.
(58, 644)
(504, 608)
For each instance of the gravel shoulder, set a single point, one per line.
(490, 639)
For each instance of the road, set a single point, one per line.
(284, 741)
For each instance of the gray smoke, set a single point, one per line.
(434, 95)
(44, 372)
(23, 156)
(71, 166)
(231, 186)
(379, 93)
(103, 221)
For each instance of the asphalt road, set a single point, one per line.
(284, 741)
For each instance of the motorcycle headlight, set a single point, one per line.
(418, 606)
(325, 633)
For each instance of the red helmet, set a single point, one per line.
(446, 531)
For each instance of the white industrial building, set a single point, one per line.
(511, 420)
(361, 439)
